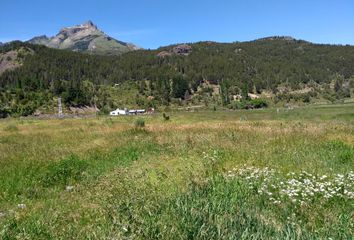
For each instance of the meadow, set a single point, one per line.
(257, 174)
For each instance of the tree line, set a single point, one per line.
(248, 66)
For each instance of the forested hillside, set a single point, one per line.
(277, 65)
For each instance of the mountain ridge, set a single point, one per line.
(86, 38)
(210, 73)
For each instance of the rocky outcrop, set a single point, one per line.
(13, 59)
(39, 40)
(8, 61)
(85, 38)
(272, 38)
(182, 49)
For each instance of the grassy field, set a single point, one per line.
(260, 174)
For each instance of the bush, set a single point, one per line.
(4, 111)
(165, 117)
(237, 105)
(306, 98)
(104, 110)
(139, 123)
(258, 103)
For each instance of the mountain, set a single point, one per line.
(85, 38)
(280, 69)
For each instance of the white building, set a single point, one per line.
(119, 112)
(127, 112)
(136, 111)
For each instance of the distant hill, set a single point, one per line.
(280, 69)
(85, 38)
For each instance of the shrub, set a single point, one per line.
(23, 109)
(165, 117)
(237, 105)
(254, 103)
(4, 111)
(139, 123)
(306, 98)
(104, 110)
(258, 103)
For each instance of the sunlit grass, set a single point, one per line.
(106, 178)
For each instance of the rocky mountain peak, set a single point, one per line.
(41, 37)
(89, 24)
(85, 37)
(86, 28)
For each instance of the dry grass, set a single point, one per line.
(149, 173)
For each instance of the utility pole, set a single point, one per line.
(60, 109)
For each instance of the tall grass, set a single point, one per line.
(221, 209)
(167, 180)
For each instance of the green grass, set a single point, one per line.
(223, 209)
(104, 178)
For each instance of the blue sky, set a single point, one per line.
(154, 23)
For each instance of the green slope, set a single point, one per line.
(284, 70)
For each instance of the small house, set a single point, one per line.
(119, 112)
(136, 111)
(125, 111)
